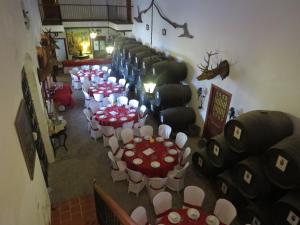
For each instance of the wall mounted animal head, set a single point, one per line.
(209, 72)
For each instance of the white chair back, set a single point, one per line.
(146, 130)
(75, 78)
(127, 135)
(162, 202)
(139, 216)
(107, 101)
(142, 120)
(156, 185)
(193, 196)
(122, 82)
(185, 156)
(94, 106)
(112, 161)
(128, 124)
(85, 67)
(164, 131)
(86, 95)
(104, 68)
(95, 67)
(87, 114)
(135, 176)
(114, 144)
(74, 70)
(142, 110)
(181, 139)
(133, 103)
(98, 97)
(181, 173)
(225, 211)
(122, 100)
(112, 80)
(108, 131)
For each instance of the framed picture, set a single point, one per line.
(25, 134)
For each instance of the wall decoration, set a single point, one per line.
(78, 41)
(25, 134)
(164, 32)
(184, 26)
(209, 72)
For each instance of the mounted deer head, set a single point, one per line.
(221, 69)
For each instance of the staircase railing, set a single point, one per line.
(108, 211)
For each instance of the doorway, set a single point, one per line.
(61, 52)
(217, 111)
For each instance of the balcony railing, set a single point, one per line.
(57, 13)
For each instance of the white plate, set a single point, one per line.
(113, 113)
(109, 91)
(123, 118)
(100, 92)
(129, 146)
(169, 159)
(132, 110)
(159, 139)
(192, 213)
(147, 138)
(137, 161)
(174, 217)
(131, 114)
(99, 112)
(112, 119)
(172, 152)
(212, 220)
(137, 140)
(102, 108)
(129, 153)
(116, 89)
(155, 164)
(102, 117)
(148, 151)
(168, 143)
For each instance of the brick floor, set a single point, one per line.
(77, 211)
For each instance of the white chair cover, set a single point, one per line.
(162, 203)
(95, 67)
(122, 82)
(136, 181)
(146, 130)
(164, 131)
(112, 80)
(118, 168)
(88, 116)
(107, 101)
(185, 157)
(156, 185)
(115, 148)
(93, 106)
(122, 100)
(176, 178)
(95, 131)
(181, 139)
(98, 97)
(127, 135)
(139, 216)
(225, 211)
(107, 132)
(133, 103)
(193, 197)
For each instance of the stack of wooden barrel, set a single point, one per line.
(256, 162)
(135, 62)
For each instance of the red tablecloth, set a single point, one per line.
(73, 63)
(116, 113)
(185, 220)
(160, 152)
(106, 89)
(64, 96)
(89, 73)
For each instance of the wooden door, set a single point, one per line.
(217, 111)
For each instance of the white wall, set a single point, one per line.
(260, 38)
(22, 201)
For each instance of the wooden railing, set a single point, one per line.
(84, 12)
(108, 211)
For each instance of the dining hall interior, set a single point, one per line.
(139, 112)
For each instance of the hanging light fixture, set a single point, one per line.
(109, 44)
(93, 33)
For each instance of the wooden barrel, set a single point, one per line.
(138, 61)
(179, 118)
(286, 211)
(169, 71)
(125, 49)
(256, 131)
(228, 189)
(149, 61)
(220, 153)
(133, 51)
(256, 212)
(252, 182)
(172, 95)
(202, 164)
(282, 163)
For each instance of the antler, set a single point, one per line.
(139, 17)
(207, 60)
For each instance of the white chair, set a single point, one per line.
(133, 103)
(88, 116)
(93, 106)
(193, 197)
(146, 130)
(162, 203)
(95, 67)
(184, 158)
(176, 178)
(76, 82)
(82, 78)
(85, 67)
(122, 100)
(115, 148)
(104, 68)
(107, 133)
(95, 131)
(127, 135)
(122, 82)
(225, 211)
(98, 97)
(139, 216)
(107, 101)
(118, 168)
(142, 110)
(112, 80)
(136, 181)
(181, 139)
(156, 185)
(164, 131)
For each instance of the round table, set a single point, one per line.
(106, 89)
(151, 151)
(185, 220)
(116, 116)
(89, 73)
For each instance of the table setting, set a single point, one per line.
(106, 89)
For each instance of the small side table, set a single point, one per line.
(60, 138)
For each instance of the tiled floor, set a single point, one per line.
(77, 211)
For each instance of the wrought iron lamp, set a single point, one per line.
(149, 85)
